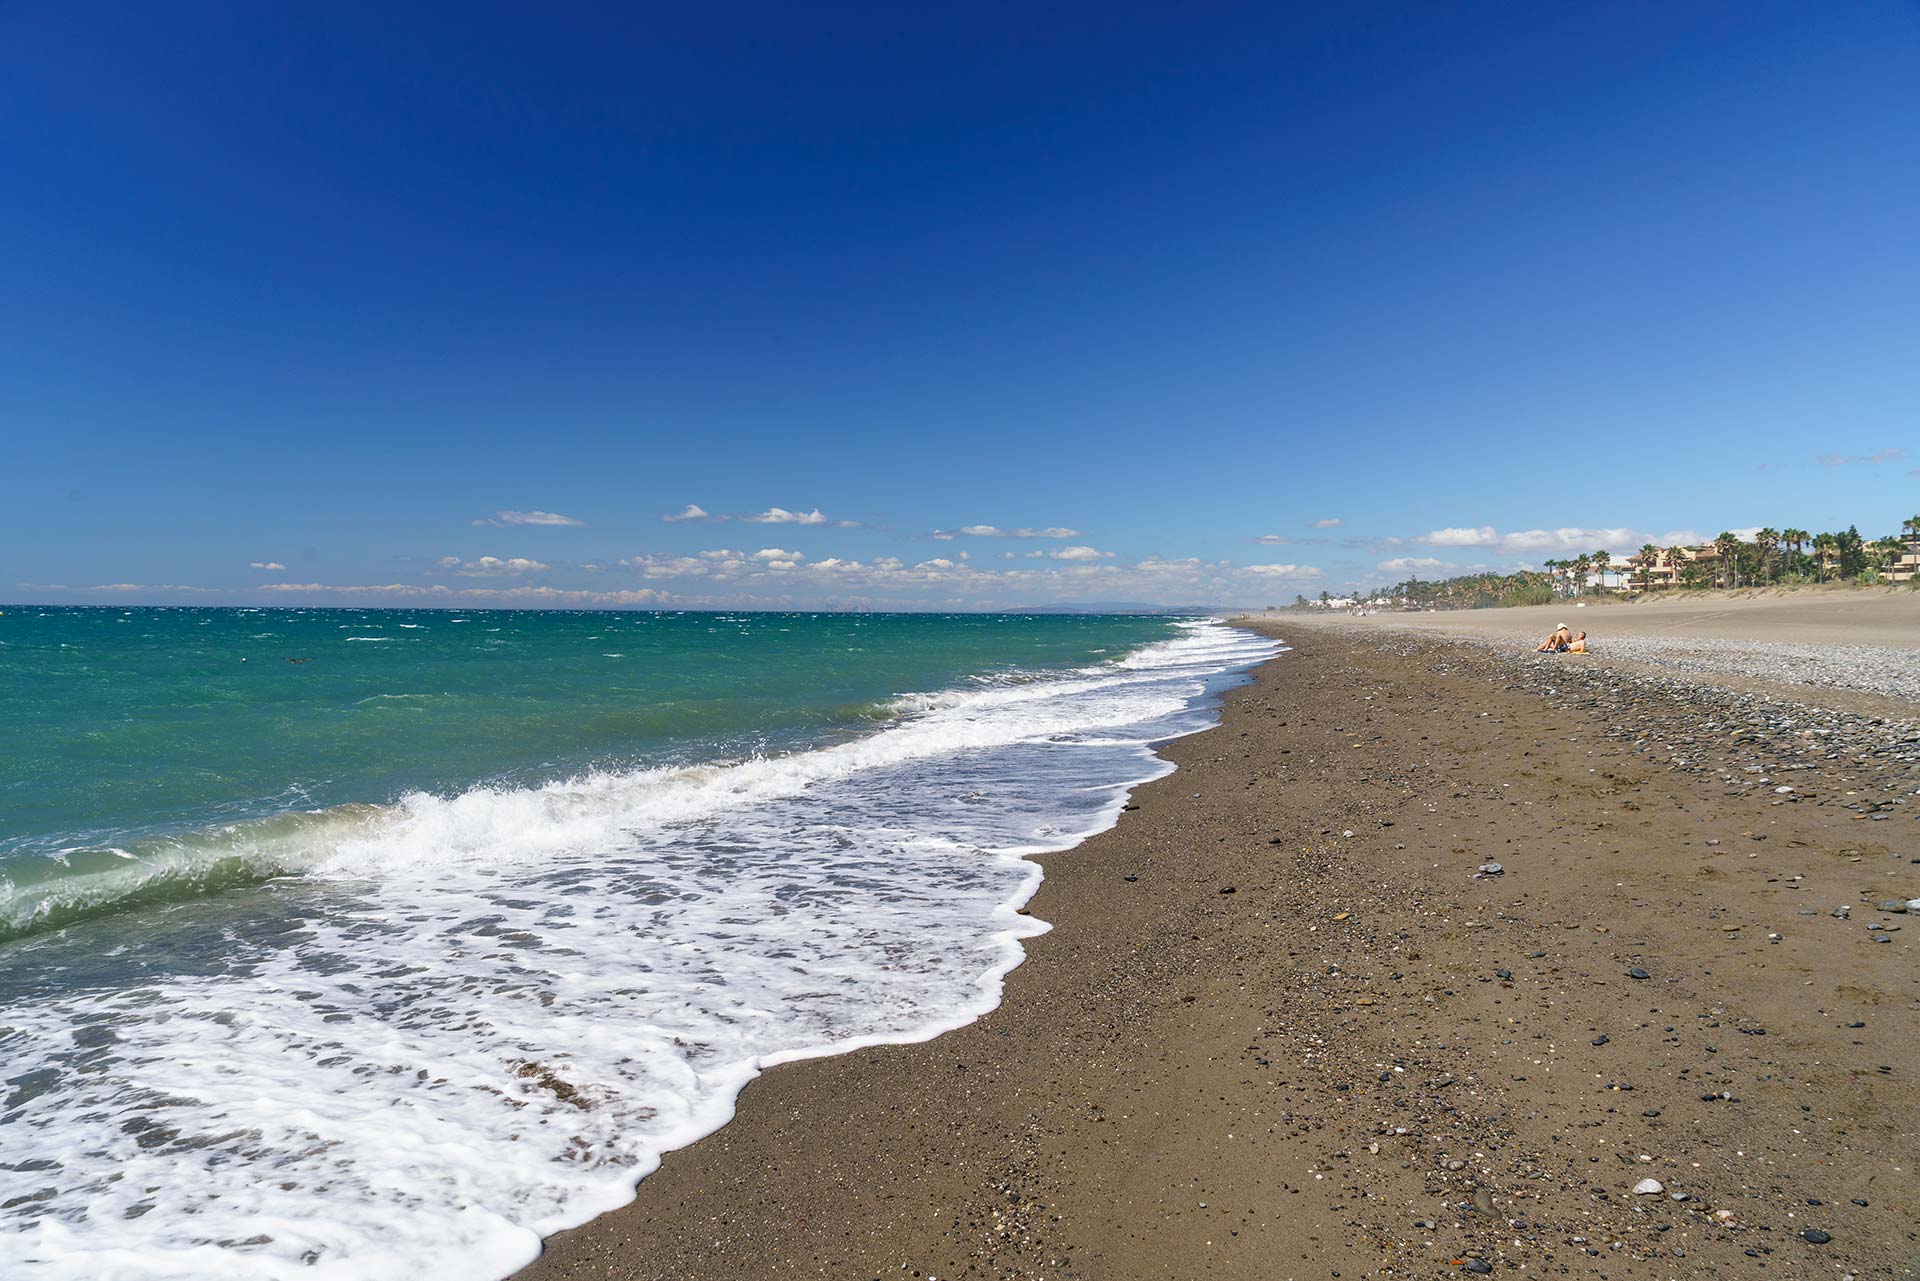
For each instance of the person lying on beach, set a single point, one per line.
(1556, 641)
(1578, 645)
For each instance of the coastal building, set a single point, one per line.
(1668, 566)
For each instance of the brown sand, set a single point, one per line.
(1283, 1030)
(1814, 616)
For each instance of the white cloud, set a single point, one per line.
(1891, 454)
(1413, 564)
(1282, 571)
(693, 511)
(541, 596)
(1274, 540)
(123, 588)
(777, 553)
(1484, 536)
(1565, 539)
(994, 531)
(1080, 554)
(529, 518)
(367, 589)
(1568, 540)
(265, 564)
(1331, 522)
(491, 566)
(781, 516)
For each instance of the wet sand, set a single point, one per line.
(1285, 1027)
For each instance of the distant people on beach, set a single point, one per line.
(1563, 640)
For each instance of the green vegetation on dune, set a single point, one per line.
(1771, 558)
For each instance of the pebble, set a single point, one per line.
(1814, 1236)
(1635, 972)
(1491, 869)
(1649, 1187)
(1479, 1267)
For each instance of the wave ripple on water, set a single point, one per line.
(472, 1021)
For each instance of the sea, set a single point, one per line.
(343, 943)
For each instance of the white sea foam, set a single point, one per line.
(475, 1020)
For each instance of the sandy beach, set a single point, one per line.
(1290, 1023)
(1846, 615)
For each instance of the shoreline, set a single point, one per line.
(1256, 1046)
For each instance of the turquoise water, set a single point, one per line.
(376, 945)
(126, 724)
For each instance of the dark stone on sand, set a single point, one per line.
(1479, 1267)
(1814, 1236)
(1602, 1039)
(1637, 973)
(1503, 974)
(1227, 889)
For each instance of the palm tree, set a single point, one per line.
(1727, 545)
(1826, 549)
(1581, 565)
(1768, 541)
(1648, 557)
(1677, 558)
(1797, 539)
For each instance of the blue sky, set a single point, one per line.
(307, 299)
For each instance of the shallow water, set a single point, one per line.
(416, 1035)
